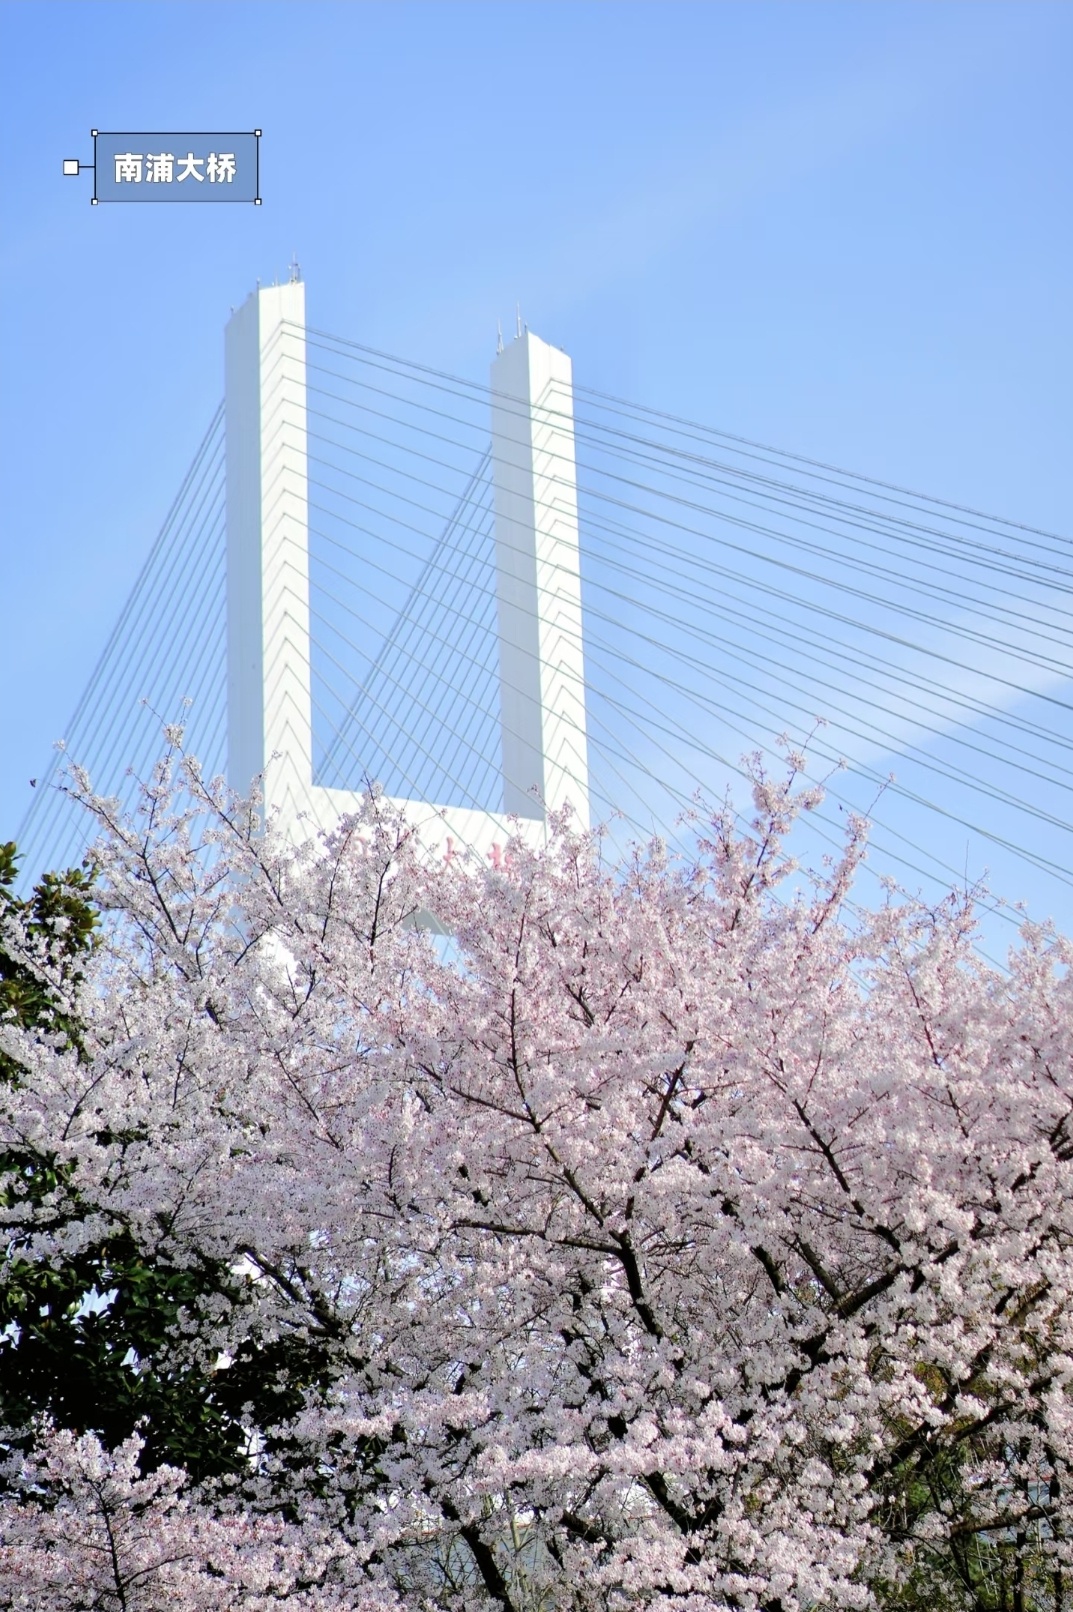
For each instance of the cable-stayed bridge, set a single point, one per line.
(498, 598)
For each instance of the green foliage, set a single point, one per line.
(108, 1365)
(60, 915)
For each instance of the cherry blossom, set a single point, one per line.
(685, 1237)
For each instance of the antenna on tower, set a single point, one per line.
(296, 273)
(518, 317)
(499, 337)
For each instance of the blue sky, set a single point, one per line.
(841, 228)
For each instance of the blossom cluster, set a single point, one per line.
(677, 1237)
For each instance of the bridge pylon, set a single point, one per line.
(544, 757)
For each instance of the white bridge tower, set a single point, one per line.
(541, 670)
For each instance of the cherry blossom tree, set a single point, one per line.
(685, 1237)
(108, 1537)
